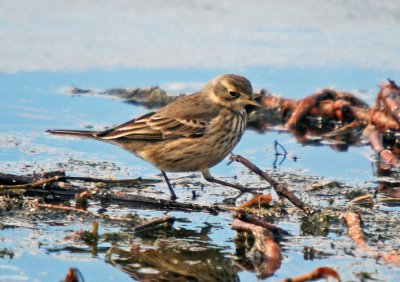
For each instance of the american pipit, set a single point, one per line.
(192, 133)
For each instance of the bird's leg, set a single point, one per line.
(173, 195)
(207, 176)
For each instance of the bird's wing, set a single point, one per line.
(186, 117)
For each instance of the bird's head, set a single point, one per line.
(232, 91)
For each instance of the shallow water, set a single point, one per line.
(179, 46)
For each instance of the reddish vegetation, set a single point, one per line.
(271, 258)
(353, 221)
(379, 121)
(257, 200)
(318, 273)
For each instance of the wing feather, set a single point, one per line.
(173, 121)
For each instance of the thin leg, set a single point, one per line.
(207, 176)
(173, 195)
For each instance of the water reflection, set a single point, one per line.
(174, 257)
(390, 193)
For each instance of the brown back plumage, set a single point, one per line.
(177, 119)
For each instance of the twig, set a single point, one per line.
(30, 185)
(12, 179)
(363, 200)
(53, 185)
(242, 215)
(257, 200)
(155, 202)
(65, 208)
(156, 221)
(389, 200)
(227, 208)
(280, 189)
(27, 182)
(138, 180)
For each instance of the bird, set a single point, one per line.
(193, 133)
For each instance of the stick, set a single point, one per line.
(138, 180)
(65, 178)
(9, 179)
(30, 185)
(156, 202)
(65, 208)
(26, 182)
(257, 200)
(264, 243)
(280, 189)
(156, 221)
(259, 222)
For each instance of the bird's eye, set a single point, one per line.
(233, 94)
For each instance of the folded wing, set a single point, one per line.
(173, 121)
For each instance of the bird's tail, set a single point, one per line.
(77, 133)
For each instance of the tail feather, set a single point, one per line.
(77, 133)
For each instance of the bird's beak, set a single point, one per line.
(251, 102)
